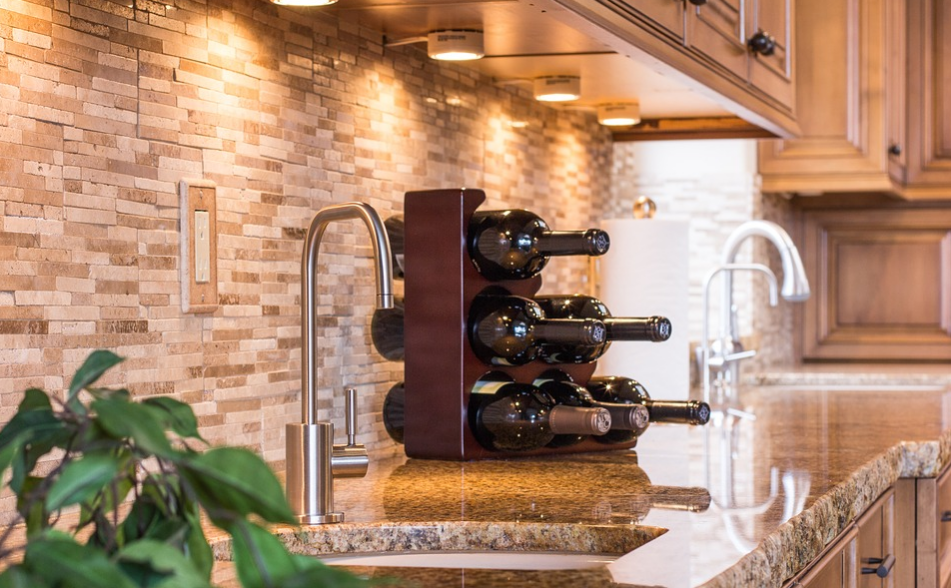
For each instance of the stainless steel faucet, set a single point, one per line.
(724, 354)
(313, 461)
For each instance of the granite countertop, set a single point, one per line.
(740, 502)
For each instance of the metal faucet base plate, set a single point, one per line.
(315, 519)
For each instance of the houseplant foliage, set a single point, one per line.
(134, 488)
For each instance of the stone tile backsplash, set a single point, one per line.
(105, 106)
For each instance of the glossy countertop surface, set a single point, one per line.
(739, 502)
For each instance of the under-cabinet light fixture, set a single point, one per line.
(557, 88)
(304, 2)
(619, 115)
(449, 45)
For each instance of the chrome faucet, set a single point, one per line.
(313, 461)
(724, 354)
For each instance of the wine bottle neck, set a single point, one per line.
(590, 242)
(651, 328)
(687, 412)
(627, 417)
(574, 420)
(570, 331)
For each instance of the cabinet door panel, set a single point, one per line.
(881, 282)
(665, 14)
(835, 569)
(717, 30)
(841, 92)
(929, 90)
(772, 73)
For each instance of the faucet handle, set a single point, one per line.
(351, 413)
(350, 460)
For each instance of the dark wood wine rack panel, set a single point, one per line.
(441, 369)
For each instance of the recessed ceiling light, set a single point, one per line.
(557, 88)
(619, 115)
(456, 45)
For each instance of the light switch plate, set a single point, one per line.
(199, 246)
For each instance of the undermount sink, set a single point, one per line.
(483, 560)
(531, 547)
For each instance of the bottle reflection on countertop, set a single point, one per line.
(592, 489)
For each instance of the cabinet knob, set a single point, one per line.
(894, 149)
(762, 43)
(698, 2)
(946, 516)
(885, 565)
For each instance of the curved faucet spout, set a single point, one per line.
(795, 284)
(384, 287)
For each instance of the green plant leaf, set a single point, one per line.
(180, 417)
(231, 481)
(81, 480)
(92, 369)
(141, 423)
(196, 546)
(17, 577)
(60, 561)
(31, 433)
(121, 394)
(259, 557)
(32, 508)
(167, 565)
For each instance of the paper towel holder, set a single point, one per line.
(644, 207)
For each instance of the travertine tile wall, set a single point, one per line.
(105, 106)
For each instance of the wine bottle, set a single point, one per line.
(516, 244)
(508, 416)
(509, 330)
(396, 231)
(650, 328)
(627, 420)
(394, 412)
(386, 330)
(627, 391)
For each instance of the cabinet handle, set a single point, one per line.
(698, 2)
(884, 565)
(894, 149)
(762, 43)
(946, 516)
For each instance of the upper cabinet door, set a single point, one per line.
(848, 99)
(717, 30)
(667, 15)
(768, 35)
(929, 97)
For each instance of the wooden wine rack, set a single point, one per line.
(440, 368)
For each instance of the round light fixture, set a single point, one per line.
(619, 115)
(557, 88)
(304, 2)
(458, 45)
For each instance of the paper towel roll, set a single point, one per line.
(645, 273)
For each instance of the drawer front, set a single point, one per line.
(944, 528)
(875, 544)
(833, 568)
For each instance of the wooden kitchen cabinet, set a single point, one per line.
(872, 90)
(721, 30)
(854, 559)
(849, 57)
(881, 284)
(934, 531)
(928, 171)
(708, 42)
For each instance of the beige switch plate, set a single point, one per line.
(199, 248)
